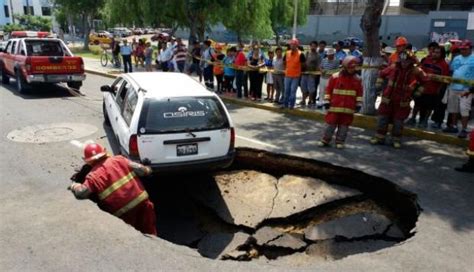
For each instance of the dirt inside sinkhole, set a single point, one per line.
(270, 206)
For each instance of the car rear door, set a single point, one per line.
(176, 130)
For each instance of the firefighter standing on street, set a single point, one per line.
(343, 97)
(114, 182)
(404, 80)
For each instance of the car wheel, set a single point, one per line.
(21, 85)
(5, 77)
(106, 116)
(75, 84)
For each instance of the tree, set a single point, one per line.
(29, 22)
(248, 18)
(370, 25)
(86, 10)
(282, 13)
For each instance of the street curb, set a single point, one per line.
(361, 121)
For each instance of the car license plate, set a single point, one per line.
(186, 149)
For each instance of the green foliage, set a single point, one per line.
(282, 13)
(248, 18)
(29, 22)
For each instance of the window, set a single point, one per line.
(46, 11)
(7, 11)
(44, 48)
(121, 95)
(183, 114)
(28, 10)
(21, 50)
(8, 47)
(116, 85)
(13, 49)
(130, 104)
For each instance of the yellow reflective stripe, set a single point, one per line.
(359, 99)
(340, 110)
(116, 185)
(404, 104)
(132, 204)
(344, 92)
(470, 152)
(327, 97)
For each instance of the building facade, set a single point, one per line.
(22, 7)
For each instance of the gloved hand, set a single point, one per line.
(327, 105)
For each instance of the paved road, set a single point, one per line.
(43, 228)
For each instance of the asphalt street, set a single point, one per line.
(44, 228)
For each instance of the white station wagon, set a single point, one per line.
(169, 121)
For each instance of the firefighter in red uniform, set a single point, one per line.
(343, 97)
(404, 79)
(114, 182)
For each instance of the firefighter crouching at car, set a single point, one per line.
(343, 97)
(114, 182)
(403, 83)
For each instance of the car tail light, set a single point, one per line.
(28, 65)
(232, 139)
(133, 146)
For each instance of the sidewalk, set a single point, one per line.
(94, 66)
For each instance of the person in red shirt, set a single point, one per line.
(404, 80)
(113, 182)
(425, 103)
(343, 97)
(240, 63)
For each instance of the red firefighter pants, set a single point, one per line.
(339, 121)
(142, 217)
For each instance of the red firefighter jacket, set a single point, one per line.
(116, 185)
(399, 91)
(343, 92)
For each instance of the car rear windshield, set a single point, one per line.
(44, 48)
(182, 114)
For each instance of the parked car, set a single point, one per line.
(33, 61)
(121, 31)
(169, 121)
(102, 37)
(347, 42)
(160, 37)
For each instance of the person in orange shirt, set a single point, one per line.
(293, 59)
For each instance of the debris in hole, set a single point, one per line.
(288, 241)
(293, 189)
(216, 245)
(395, 232)
(332, 250)
(265, 235)
(349, 227)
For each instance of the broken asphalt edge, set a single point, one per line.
(361, 121)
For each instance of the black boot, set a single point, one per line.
(467, 167)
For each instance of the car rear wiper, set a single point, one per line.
(188, 130)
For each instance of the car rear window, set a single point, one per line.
(44, 48)
(182, 114)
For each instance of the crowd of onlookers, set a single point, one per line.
(241, 71)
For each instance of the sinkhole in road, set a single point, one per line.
(271, 206)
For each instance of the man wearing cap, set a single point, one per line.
(459, 97)
(400, 45)
(328, 67)
(114, 182)
(293, 59)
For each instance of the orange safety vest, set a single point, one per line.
(117, 187)
(293, 64)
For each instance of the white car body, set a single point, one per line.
(154, 118)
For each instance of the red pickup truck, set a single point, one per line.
(35, 61)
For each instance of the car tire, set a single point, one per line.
(106, 116)
(75, 84)
(5, 78)
(21, 85)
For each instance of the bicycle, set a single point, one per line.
(105, 57)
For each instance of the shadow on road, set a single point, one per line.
(43, 91)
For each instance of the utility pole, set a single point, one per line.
(352, 7)
(295, 17)
(438, 5)
(27, 7)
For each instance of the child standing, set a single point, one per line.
(229, 71)
(343, 98)
(269, 76)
